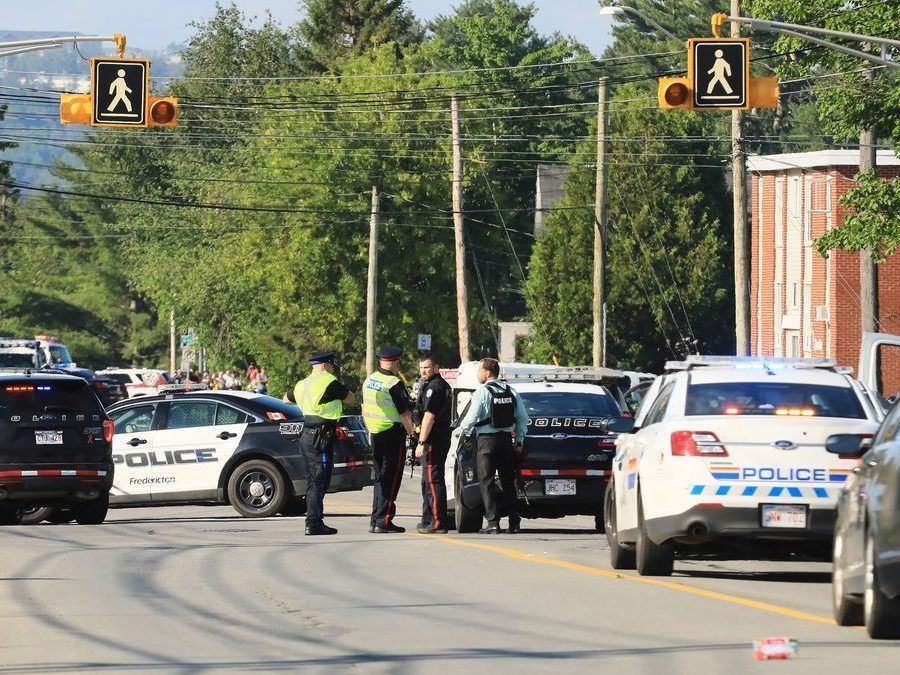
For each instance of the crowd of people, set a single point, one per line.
(253, 379)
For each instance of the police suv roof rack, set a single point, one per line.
(762, 362)
(18, 371)
(186, 386)
(17, 342)
(570, 374)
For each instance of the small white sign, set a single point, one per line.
(424, 343)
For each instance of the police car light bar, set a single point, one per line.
(170, 388)
(573, 374)
(754, 363)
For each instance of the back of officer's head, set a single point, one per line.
(490, 366)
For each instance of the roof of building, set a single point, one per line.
(812, 160)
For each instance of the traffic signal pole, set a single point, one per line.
(38, 44)
(741, 238)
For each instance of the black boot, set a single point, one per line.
(320, 528)
(491, 529)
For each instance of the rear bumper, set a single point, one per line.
(54, 484)
(701, 525)
(352, 475)
(587, 500)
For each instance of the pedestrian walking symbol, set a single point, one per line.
(119, 89)
(719, 70)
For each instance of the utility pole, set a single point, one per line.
(600, 230)
(868, 271)
(462, 300)
(372, 290)
(172, 340)
(741, 238)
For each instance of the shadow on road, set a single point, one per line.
(790, 577)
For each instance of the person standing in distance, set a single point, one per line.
(321, 397)
(386, 413)
(496, 413)
(432, 416)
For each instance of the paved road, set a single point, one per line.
(194, 589)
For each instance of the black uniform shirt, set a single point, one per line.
(435, 396)
(398, 393)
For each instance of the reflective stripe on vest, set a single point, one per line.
(378, 409)
(309, 392)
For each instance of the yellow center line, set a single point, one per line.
(671, 585)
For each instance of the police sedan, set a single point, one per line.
(191, 445)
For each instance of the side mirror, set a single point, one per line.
(621, 425)
(852, 445)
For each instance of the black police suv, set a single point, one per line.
(55, 447)
(866, 569)
(191, 445)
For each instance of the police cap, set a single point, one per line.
(389, 353)
(324, 357)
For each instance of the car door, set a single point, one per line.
(194, 442)
(132, 448)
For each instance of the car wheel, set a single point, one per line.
(652, 560)
(256, 489)
(620, 556)
(848, 611)
(92, 512)
(10, 516)
(881, 613)
(294, 506)
(60, 516)
(467, 520)
(36, 514)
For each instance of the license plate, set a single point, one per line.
(48, 437)
(559, 487)
(784, 515)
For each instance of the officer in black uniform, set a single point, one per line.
(432, 416)
(321, 397)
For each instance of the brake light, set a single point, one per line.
(697, 444)
(341, 434)
(606, 442)
(109, 428)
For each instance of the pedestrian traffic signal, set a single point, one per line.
(75, 108)
(674, 92)
(163, 111)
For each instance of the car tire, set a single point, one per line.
(881, 613)
(92, 512)
(294, 506)
(848, 611)
(652, 559)
(621, 557)
(256, 489)
(35, 515)
(466, 519)
(60, 516)
(10, 516)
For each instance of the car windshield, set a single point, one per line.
(59, 354)
(9, 360)
(568, 404)
(30, 396)
(772, 398)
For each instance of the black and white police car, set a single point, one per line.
(193, 445)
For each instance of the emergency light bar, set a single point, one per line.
(755, 363)
(573, 374)
(173, 388)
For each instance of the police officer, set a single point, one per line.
(386, 413)
(321, 397)
(432, 416)
(496, 413)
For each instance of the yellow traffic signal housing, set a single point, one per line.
(674, 92)
(75, 108)
(162, 111)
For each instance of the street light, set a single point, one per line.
(619, 10)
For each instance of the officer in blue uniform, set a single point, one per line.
(321, 397)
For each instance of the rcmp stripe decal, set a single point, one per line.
(719, 490)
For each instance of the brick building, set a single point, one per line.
(800, 303)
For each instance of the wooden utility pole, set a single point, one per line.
(372, 289)
(868, 271)
(741, 232)
(462, 300)
(600, 230)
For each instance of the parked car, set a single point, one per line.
(137, 381)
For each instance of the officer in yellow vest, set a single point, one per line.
(386, 412)
(321, 397)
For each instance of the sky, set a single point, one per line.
(158, 23)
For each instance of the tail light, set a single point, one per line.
(606, 442)
(697, 444)
(109, 428)
(342, 434)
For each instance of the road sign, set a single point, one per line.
(424, 342)
(119, 88)
(189, 354)
(719, 69)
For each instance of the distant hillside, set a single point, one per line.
(25, 79)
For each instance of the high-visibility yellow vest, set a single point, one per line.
(309, 392)
(378, 409)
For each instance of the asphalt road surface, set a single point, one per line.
(194, 589)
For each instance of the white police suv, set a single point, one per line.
(727, 457)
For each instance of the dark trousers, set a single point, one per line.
(390, 452)
(434, 491)
(317, 448)
(496, 454)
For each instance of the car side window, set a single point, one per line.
(226, 415)
(658, 408)
(186, 414)
(134, 420)
(889, 428)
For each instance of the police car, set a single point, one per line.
(192, 445)
(137, 381)
(568, 447)
(727, 457)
